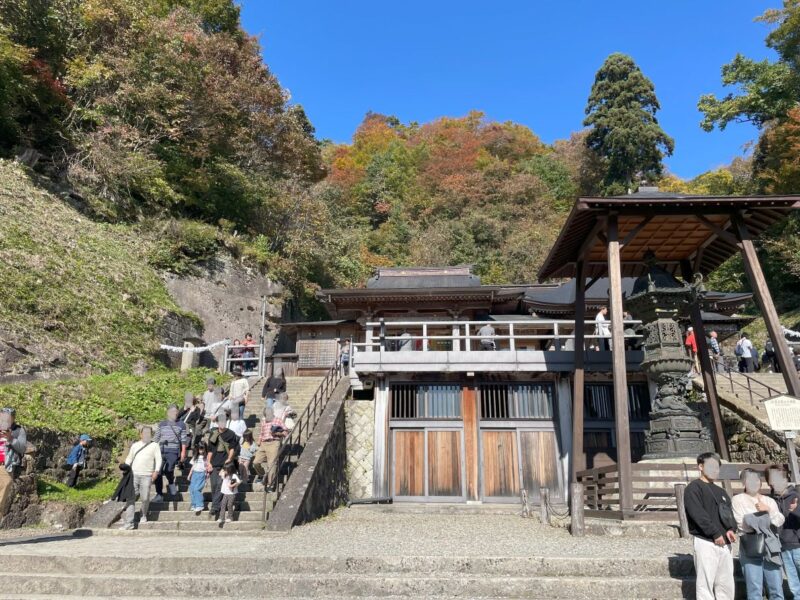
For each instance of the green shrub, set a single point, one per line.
(84, 492)
(182, 245)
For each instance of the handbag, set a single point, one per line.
(751, 545)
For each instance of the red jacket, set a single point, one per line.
(691, 342)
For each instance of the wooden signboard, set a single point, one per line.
(783, 413)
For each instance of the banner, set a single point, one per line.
(791, 333)
(196, 349)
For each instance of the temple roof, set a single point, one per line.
(697, 229)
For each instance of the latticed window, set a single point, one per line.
(425, 401)
(517, 400)
(598, 402)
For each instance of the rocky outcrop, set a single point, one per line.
(227, 297)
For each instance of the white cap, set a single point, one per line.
(690, 329)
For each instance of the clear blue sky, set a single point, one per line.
(524, 61)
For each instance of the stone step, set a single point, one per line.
(336, 586)
(186, 515)
(185, 497)
(594, 567)
(202, 524)
(185, 505)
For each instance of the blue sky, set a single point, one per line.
(532, 62)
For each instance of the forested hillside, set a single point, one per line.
(162, 115)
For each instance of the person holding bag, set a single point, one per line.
(758, 517)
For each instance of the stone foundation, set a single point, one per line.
(360, 420)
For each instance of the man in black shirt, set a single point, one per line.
(712, 524)
(223, 445)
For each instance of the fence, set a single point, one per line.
(251, 359)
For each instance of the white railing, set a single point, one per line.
(251, 365)
(463, 336)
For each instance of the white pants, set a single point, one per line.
(714, 567)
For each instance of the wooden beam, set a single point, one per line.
(764, 299)
(470, 412)
(721, 233)
(633, 232)
(578, 380)
(619, 369)
(590, 239)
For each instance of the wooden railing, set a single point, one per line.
(292, 445)
(653, 488)
(455, 336)
(229, 361)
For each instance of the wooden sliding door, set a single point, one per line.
(500, 464)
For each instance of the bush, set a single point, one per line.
(184, 244)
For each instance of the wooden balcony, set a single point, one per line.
(531, 345)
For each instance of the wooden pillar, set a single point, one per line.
(764, 299)
(380, 449)
(469, 408)
(707, 369)
(578, 380)
(619, 370)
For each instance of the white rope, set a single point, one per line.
(193, 349)
(790, 332)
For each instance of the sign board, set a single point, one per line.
(783, 413)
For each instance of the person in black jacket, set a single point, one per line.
(275, 385)
(787, 498)
(712, 524)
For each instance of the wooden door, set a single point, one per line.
(409, 463)
(500, 464)
(444, 463)
(539, 461)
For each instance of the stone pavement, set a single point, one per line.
(359, 552)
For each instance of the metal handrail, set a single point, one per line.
(751, 393)
(305, 423)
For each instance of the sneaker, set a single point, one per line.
(157, 498)
(143, 519)
(197, 510)
(220, 521)
(173, 489)
(126, 527)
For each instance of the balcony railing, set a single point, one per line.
(464, 336)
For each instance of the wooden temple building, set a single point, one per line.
(455, 422)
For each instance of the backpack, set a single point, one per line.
(739, 350)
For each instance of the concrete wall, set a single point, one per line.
(360, 424)
(227, 297)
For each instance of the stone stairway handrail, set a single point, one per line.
(755, 397)
(302, 429)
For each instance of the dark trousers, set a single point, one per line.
(216, 489)
(72, 478)
(227, 503)
(747, 365)
(169, 459)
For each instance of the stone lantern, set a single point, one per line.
(657, 299)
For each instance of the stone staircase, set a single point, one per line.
(746, 394)
(174, 515)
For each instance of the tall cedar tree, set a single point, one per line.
(622, 114)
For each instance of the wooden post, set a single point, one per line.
(619, 370)
(761, 292)
(511, 344)
(456, 333)
(578, 384)
(577, 526)
(424, 337)
(544, 494)
(707, 369)
(683, 520)
(469, 408)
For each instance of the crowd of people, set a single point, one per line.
(210, 442)
(766, 525)
(240, 350)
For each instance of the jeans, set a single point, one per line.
(241, 411)
(791, 564)
(196, 484)
(216, 489)
(169, 458)
(757, 572)
(141, 486)
(72, 478)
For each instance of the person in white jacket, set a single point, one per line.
(757, 569)
(144, 460)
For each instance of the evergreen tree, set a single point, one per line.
(622, 114)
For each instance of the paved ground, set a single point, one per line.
(366, 532)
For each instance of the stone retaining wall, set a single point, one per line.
(53, 447)
(360, 423)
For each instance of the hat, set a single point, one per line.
(8, 410)
(690, 329)
(85, 438)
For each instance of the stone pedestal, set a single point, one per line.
(677, 436)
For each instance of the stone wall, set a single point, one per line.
(25, 508)
(360, 423)
(53, 447)
(227, 298)
(175, 328)
(752, 442)
(318, 484)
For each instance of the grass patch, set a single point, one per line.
(104, 406)
(757, 330)
(84, 492)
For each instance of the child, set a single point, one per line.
(76, 461)
(247, 450)
(198, 477)
(230, 481)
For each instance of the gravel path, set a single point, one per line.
(364, 532)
